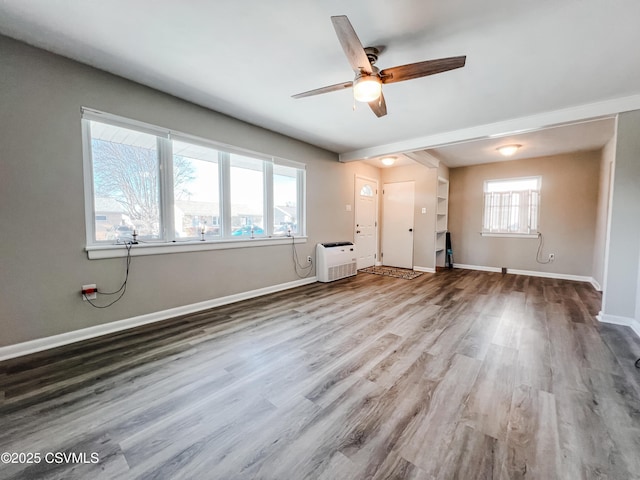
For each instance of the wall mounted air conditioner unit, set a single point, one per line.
(335, 261)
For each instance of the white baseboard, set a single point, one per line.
(40, 344)
(425, 269)
(596, 285)
(477, 267)
(530, 273)
(616, 320)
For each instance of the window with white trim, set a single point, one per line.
(170, 188)
(126, 182)
(286, 200)
(196, 191)
(511, 206)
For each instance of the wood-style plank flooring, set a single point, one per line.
(455, 375)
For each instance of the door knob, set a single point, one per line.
(411, 229)
(357, 231)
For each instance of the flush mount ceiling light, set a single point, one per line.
(388, 161)
(508, 150)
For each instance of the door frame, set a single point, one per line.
(374, 181)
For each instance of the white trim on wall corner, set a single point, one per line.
(616, 320)
(596, 285)
(424, 269)
(40, 344)
(530, 273)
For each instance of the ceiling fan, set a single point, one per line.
(367, 85)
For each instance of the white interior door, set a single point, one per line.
(397, 224)
(366, 231)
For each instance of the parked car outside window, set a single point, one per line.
(246, 230)
(124, 232)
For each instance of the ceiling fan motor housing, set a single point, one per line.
(372, 54)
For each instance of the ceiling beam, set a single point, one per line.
(424, 158)
(606, 108)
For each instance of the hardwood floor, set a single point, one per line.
(457, 375)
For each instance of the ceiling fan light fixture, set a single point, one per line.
(508, 150)
(367, 88)
(367, 85)
(388, 161)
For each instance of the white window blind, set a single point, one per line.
(511, 206)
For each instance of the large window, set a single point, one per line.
(163, 187)
(511, 206)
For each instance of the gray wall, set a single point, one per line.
(443, 171)
(42, 219)
(638, 292)
(621, 295)
(567, 214)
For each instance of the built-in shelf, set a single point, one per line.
(442, 212)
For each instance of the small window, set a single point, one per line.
(196, 191)
(511, 206)
(366, 191)
(247, 196)
(285, 201)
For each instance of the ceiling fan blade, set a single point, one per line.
(351, 45)
(330, 88)
(379, 106)
(421, 69)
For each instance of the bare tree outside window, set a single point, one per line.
(128, 173)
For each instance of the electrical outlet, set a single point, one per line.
(89, 292)
(552, 257)
(309, 259)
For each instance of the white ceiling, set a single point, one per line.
(584, 136)
(525, 59)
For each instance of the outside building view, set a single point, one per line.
(127, 190)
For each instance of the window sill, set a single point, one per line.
(510, 235)
(96, 252)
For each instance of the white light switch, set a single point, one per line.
(424, 210)
(347, 207)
